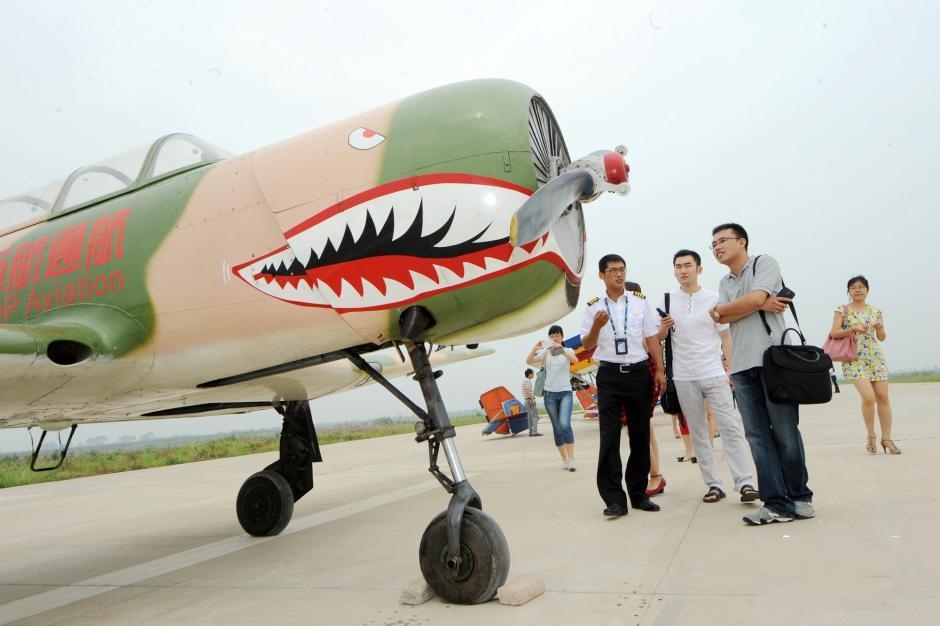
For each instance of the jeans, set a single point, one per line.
(772, 430)
(558, 405)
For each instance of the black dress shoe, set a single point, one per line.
(646, 505)
(615, 510)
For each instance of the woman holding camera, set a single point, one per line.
(555, 358)
(869, 371)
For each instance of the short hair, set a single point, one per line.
(555, 328)
(738, 231)
(692, 253)
(528, 371)
(857, 279)
(630, 286)
(608, 259)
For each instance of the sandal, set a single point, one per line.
(749, 494)
(682, 459)
(714, 494)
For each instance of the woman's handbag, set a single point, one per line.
(843, 348)
(540, 383)
(669, 401)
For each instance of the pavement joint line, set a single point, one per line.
(672, 559)
(91, 587)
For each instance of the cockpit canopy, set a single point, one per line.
(167, 156)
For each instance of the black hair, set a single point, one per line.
(528, 371)
(692, 253)
(738, 231)
(556, 329)
(857, 279)
(608, 259)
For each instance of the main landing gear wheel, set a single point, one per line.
(484, 559)
(265, 504)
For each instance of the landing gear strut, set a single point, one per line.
(265, 502)
(463, 554)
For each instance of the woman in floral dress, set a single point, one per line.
(869, 372)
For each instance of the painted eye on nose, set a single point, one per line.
(365, 139)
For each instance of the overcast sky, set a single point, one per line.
(813, 124)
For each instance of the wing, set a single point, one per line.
(36, 392)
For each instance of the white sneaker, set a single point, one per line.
(765, 516)
(804, 510)
(565, 464)
(571, 467)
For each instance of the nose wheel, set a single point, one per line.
(483, 563)
(463, 553)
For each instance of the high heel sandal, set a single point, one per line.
(870, 446)
(657, 490)
(888, 446)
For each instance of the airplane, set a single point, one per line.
(182, 280)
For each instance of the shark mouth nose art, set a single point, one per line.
(400, 242)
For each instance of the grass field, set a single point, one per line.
(15, 471)
(930, 377)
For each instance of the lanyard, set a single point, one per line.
(626, 310)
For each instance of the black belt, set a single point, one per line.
(625, 368)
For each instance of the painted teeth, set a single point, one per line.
(300, 291)
(487, 211)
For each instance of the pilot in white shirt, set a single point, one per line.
(623, 327)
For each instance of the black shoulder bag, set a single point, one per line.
(669, 401)
(795, 374)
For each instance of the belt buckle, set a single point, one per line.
(625, 368)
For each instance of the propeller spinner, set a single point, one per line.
(581, 181)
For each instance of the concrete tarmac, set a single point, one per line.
(163, 546)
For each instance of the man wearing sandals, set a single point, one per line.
(699, 344)
(772, 429)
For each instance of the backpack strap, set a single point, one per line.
(668, 359)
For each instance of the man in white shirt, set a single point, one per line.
(699, 345)
(624, 328)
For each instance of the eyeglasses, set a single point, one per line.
(616, 271)
(721, 241)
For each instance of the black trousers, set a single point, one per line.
(632, 393)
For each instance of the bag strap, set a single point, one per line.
(763, 318)
(668, 344)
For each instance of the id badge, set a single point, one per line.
(620, 345)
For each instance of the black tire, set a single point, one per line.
(484, 553)
(265, 504)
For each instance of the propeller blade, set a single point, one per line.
(537, 214)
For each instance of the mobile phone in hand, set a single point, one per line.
(661, 312)
(786, 292)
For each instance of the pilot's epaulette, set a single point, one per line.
(593, 300)
(639, 294)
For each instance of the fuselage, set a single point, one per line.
(124, 305)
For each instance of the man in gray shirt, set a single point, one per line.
(772, 429)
